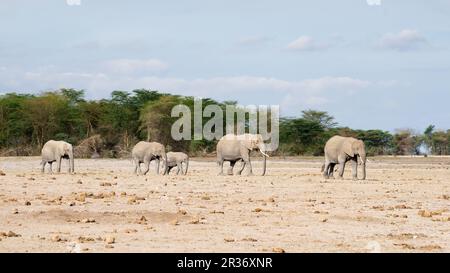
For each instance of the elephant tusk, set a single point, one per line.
(266, 155)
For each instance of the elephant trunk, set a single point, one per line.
(265, 156)
(71, 162)
(264, 165)
(363, 165)
(166, 166)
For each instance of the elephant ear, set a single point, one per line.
(349, 148)
(248, 143)
(66, 148)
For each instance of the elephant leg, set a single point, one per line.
(43, 166)
(250, 170)
(58, 165)
(221, 166)
(230, 169)
(242, 167)
(331, 170)
(355, 168)
(146, 166)
(136, 165)
(326, 173)
(157, 165)
(50, 167)
(341, 168)
(179, 168)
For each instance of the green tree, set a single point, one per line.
(301, 136)
(322, 118)
(406, 143)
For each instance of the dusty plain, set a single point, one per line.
(403, 206)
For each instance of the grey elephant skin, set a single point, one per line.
(55, 151)
(339, 150)
(177, 159)
(145, 152)
(234, 148)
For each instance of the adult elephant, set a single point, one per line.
(56, 151)
(145, 152)
(340, 150)
(234, 148)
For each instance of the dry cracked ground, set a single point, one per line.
(403, 206)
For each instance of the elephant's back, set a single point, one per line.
(139, 146)
(334, 140)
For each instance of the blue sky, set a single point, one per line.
(371, 66)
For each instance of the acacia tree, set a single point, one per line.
(320, 117)
(406, 142)
(156, 119)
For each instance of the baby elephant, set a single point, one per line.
(177, 159)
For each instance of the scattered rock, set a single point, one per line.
(182, 212)
(56, 238)
(83, 239)
(27, 203)
(257, 210)
(109, 246)
(79, 182)
(110, 240)
(249, 239)
(71, 204)
(217, 211)
(425, 213)
(278, 250)
(174, 222)
(9, 234)
(403, 207)
(195, 221)
(81, 197)
(105, 184)
(15, 211)
(131, 230)
(87, 220)
(2, 173)
(228, 240)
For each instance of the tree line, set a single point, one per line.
(112, 126)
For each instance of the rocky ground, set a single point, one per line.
(403, 206)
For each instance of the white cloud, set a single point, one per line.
(406, 39)
(129, 66)
(291, 95)
(306, 43)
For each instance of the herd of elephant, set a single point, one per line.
(232, 148)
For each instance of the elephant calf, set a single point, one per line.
(176, 159)
(56, 151)
(340, 150)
